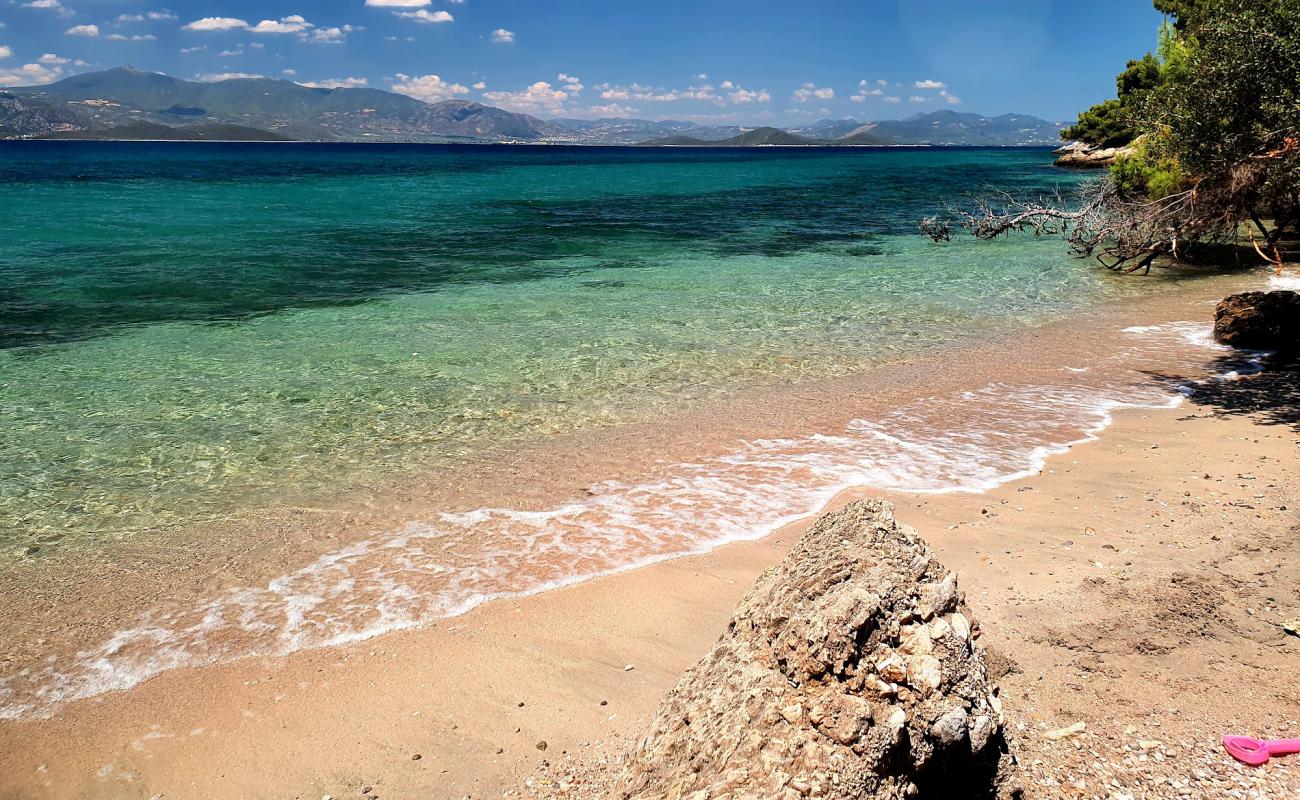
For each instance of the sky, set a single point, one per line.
(708, 61)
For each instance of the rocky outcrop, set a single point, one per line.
(1259, 321)
(851, 670)
(1084, 155)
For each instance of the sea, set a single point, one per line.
(193, 332)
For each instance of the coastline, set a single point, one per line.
(71, 610)
(1106, 614)
(558, 624)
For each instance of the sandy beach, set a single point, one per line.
(1136, 585)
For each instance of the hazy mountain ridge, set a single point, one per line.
(95, 103)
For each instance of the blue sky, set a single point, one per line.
(751, 62)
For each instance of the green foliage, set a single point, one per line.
(1230, 94)
(1112, 123)
(1147, 172)
(1186, 13)
(1107, 124)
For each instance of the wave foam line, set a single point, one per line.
(969, 442)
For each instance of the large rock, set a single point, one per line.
(850, 670)
(1084, 155)
(1259, 321)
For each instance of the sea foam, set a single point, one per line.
(429, 570)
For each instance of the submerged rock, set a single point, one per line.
(847, 671)
(1259, 320)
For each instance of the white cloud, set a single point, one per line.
(950, 99)
(294, 23)
(810, 92)
(216, 24)
(742, 96)
(336, 83)
(609, 110)
(929, 84)
(503, 36)
(893, 99)
(572, 82)
(865, 90)
(481, 85)
(289, 72)
(398, 3)
(51, 58)
(51, 5)
(703, 76)
(150, 16)
(426, 16)
(139, 37)
(30, 75)
(238, 51)
(90, 31)
(638, 92)
(429, 88)
(540, 96)
(199, 49)
(213, 77)
(916, 98)
(5, 52)
(336, 35)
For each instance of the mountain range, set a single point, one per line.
(127, 103)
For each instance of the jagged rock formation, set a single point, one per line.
(1259, 321)
(848, 671)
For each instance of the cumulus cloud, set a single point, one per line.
(867, 89)
(213, 77)
(503, 36)
(337, 35)
(811, 92)
(429, 88)
(742, 96)
(398, 3)
(540, 96)
(335, 83)
(892, 99)
(427, 16)
(950, 99)
(916, 98)
(572, 83)
(139, 37)
(481, 85)
(31, 74)
(5, 52)
(89, 31)
(198, 49)
(609, 110)
(638, 92)
(294, 23)
(51, 5)
(929, 84)
(216, 24)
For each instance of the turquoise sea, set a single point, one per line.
(193, 333)
(187, 330)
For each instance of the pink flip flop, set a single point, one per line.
(1256, 752)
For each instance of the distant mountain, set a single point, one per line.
(633, 131)
(150, 131)
(956, 128)
(828, 128)
(115, 102)
(125, 95)
(23, 116)
(758, 137)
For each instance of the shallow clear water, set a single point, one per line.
(189, 330)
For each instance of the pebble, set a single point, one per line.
(541, 745)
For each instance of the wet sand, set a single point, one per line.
(1143, 610)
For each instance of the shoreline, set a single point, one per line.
(297, 535)
(474, 696)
